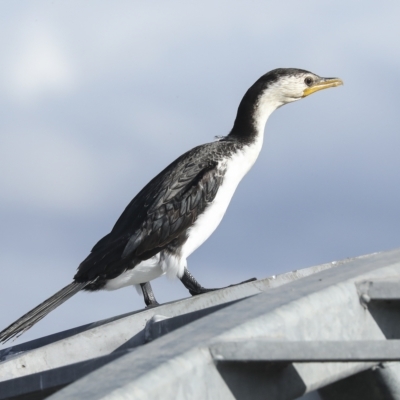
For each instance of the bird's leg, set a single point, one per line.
(191, 284)
(195, 288)
(148, 295)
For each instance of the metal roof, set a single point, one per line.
(332, 331)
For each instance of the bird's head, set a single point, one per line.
(273, 90)
(285, 85)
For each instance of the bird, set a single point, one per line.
(180, 208)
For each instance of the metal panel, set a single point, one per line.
(325, 306)
(384, 290)
(291, 328)
(304, 351)
(126, 331)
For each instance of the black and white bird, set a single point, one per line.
(182, 206)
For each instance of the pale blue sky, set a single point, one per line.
(96, 97)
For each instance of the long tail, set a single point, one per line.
(29, 319)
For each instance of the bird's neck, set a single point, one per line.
(252, 115)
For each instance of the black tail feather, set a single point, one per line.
(29, 319)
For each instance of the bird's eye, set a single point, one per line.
(308, 81)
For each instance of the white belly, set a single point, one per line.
(141, 273)
(148, 270)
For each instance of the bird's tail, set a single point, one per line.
(29, 319)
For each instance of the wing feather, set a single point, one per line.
(157, 218)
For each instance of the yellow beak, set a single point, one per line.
(324, 83)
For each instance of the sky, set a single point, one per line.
(97, 97)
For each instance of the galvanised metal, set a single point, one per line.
(172, 356)
(127, 331)
(381, 290)
(265, 350)
(324, 306)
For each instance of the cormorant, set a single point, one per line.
(182, 206)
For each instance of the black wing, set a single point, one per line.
(158, 217)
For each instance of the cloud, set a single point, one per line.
(37, 66)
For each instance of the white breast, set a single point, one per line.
(236, 168)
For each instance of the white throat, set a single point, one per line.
(266, 105)
(273, 97)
